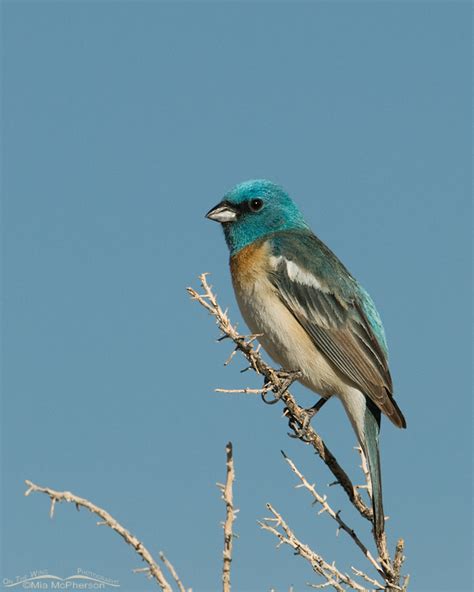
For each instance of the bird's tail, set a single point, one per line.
(370, 446)
(365, 419)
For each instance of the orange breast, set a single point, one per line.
(249, 264)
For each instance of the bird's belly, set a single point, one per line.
(284, 339)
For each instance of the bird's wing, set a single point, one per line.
(325, 299)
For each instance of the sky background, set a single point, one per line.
(122, 124)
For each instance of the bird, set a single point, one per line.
(312, 315)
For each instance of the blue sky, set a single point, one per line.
(122, 124)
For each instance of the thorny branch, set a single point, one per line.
(172, 571)
(227, 496)
(277, 526)
(153, 570)
(325, 507)
(278, 383)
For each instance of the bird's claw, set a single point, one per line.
(287, 379)
(275, 399)
(301, 430)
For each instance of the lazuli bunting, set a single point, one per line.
(313, 316)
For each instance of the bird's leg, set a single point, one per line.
(301, 432)
(287, 379)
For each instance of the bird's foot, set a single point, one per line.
(301, 431)
(287, 379)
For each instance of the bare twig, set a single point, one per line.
(333, 576)
(365, 469)
(325, 507)
(227, 496)
(173, 572)
(244, 391)
(398, 560)
(367, 578)
(108, 520)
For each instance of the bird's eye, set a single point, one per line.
(255, 204)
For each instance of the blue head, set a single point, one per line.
(254, 209)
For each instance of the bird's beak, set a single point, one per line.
(223, 212)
